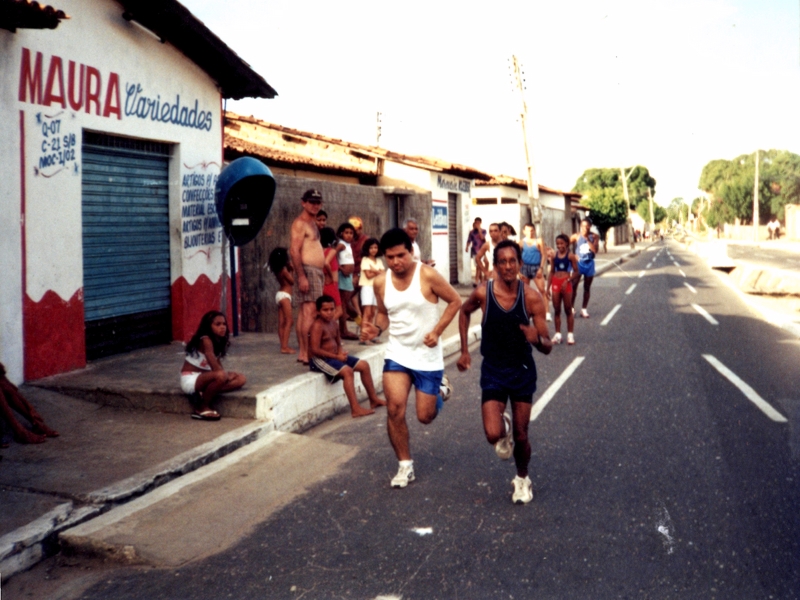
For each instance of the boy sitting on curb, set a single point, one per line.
(328, 357)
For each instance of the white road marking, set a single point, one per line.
(749, 392)
(676, 264)
(554, 387)
(694, 291)
(611, 315)
(641, 274)
(650, 264)
(707, 316)
(681, 272)
(630, 289)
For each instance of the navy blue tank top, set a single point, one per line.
(562, 264)
(503, 345)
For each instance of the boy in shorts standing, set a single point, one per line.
(327, 356)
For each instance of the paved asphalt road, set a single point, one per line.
(765, 256)
(655, 475)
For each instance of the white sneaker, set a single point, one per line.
(570, 339)
(504, 447)
(446, 388)
(405, 475)
(523, 490)
(556, 338)
(584, 313)
(548, 317)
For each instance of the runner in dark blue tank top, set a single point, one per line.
(508, 370)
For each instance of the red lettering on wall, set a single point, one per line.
(113, 106)
(92, 94)
(83, 88)
(75, 104)
(56, 70)
(30, 82)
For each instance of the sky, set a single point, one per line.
(666, 84)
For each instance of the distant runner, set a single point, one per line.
(508, 370)
(559, 286)
(587, 244)
(407, 295)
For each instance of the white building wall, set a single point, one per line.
(129, 71)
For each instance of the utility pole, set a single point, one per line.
(378, 130)
(533, 187)
(627, 202)
(652, 213)
(755, 202)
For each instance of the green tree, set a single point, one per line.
(643, 210)
(677, 211)
(607, 208)
(639, 180)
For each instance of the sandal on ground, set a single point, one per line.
(206, 415)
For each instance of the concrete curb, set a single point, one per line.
(293, 407)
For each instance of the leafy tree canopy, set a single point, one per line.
(730, 183)
(643, 210)
(607, 208)
(639, 180)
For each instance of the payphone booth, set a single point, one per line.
(244, 194)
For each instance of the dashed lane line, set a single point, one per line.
(629, 291)
(681, 272)
(691, 289)
(705, 314)
(611, 315)
(641, 274)
(749, 392)
(550, 393)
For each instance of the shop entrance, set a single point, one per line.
(126, 260)
(452, 231)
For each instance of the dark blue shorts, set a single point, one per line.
(331, 367)
(586, 269)
(427, 382)
(502, 383)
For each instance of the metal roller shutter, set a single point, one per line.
(126, 262)
(452, 230)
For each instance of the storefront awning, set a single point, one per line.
(172, 22)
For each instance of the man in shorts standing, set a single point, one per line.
(475, 241)
(305, 251)
(407, 296)
(508, 370)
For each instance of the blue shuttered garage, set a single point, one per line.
(126, 259)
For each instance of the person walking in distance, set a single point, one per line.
(475, 240)
(407, 295)
(559, 286)
(308, 260)
(485, 255)
(508, 371)
(534, 259)
(587, 244)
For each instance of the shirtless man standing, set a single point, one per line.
(308, 260)
(485, 257)
(407, 295)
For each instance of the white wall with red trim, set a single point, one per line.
(101, 73)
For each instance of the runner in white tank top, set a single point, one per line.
(407, 295)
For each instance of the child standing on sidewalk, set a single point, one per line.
(328, 357)
(371, 267)
(281, 267)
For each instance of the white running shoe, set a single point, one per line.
(584, 313)
(548, 317)
(446, 388)
(570, 339)
(405, 475)
(504, 447)
(557, 338)
(523, 490)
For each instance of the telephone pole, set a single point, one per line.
(625, 178)
(533, 187)
(755, 202)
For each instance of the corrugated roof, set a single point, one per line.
(173, 23)
(23, 14)
(516, 182)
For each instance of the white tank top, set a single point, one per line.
(411, 318)
(490, 252)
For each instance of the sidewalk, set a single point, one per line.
(125, 431)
